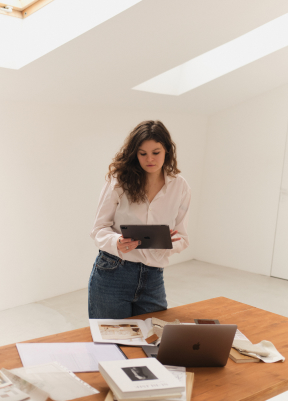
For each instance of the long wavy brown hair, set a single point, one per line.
(126, 167)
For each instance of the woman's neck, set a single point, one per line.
(155, 178)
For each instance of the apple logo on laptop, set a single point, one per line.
(196, 346)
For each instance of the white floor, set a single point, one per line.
(185, 283)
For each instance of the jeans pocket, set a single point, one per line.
(107, 262)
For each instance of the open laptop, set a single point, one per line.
(193, 345)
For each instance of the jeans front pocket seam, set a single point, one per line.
(106, 263)
(107, 268)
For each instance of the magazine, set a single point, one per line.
(121, 331)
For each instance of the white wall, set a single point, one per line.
(241, 183)
(52, 166)
(280, 252)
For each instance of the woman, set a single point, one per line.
(143, 187)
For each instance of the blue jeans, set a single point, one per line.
(119, 289)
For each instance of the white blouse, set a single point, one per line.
(170, 206)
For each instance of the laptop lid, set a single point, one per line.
(196, 345)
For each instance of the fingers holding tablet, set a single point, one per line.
(126, 245)
(172, 233)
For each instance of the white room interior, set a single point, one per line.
(66, 113)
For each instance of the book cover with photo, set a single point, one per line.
(186, 378)
(142, 378)
(121, 331)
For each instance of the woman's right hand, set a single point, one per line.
(126, 245)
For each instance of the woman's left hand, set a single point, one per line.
(173, 233)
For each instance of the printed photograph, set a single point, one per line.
(120, 331)
(137, 373)
(4, 381)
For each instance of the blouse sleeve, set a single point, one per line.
(181, 225)
(102, 233)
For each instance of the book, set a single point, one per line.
(240, 358)
(140, 379)
(189, 385)
(188, 380)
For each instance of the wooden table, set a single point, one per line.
(245, 382)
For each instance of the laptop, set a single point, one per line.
(193, 345)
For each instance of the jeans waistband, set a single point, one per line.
(116, 258)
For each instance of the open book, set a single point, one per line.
(127, 331)
(121, 331)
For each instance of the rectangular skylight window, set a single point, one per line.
(217, 62)
(21, 8)
(52, 26)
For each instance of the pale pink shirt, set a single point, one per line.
(170, 206)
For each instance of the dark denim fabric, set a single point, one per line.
(119, 289)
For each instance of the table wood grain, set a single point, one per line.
(234, 382)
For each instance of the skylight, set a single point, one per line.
(52, 26)
(21, 8)
(217, 62)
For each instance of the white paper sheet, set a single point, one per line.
(56, 380)
(77, 357)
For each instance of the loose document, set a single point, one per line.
(77, 357)
(32, 392)
(55, 380)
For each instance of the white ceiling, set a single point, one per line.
(101, 66)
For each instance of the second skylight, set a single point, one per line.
(217, 62)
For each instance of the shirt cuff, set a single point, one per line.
(114, 245)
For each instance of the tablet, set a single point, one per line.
(151, 236)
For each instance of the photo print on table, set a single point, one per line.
(136, 373)
(120, 331)
(4, 381)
